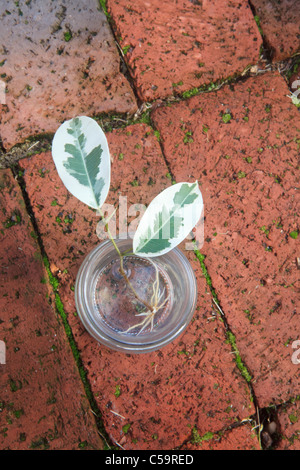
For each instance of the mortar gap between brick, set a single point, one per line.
(30, 146)
(155, 129)
(266, 49)
(209, 435)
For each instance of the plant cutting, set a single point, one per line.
(132, 295)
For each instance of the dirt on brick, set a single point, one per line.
(240, 438)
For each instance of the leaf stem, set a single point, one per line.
(122, 271)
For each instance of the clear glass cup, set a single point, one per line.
(143, 314)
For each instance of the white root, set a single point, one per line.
(155, 300)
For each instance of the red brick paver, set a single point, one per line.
(242, 144)
(171, 47)
(42, 401)
(280, 25)
(150, 401)
(58, 60)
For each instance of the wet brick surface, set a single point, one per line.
(68, 65)
(42, 401)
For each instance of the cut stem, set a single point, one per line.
(131, 286)
(122, 271)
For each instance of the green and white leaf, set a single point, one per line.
(168, 220)
(81, 156)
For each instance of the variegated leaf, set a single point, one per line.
(168, 220)
(81, 156)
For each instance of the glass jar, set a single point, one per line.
(141, 312)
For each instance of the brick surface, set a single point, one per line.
(171, 47)
(42, 400)
(280, 25)
(148, 401)
(242, 144)
(58, 60)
